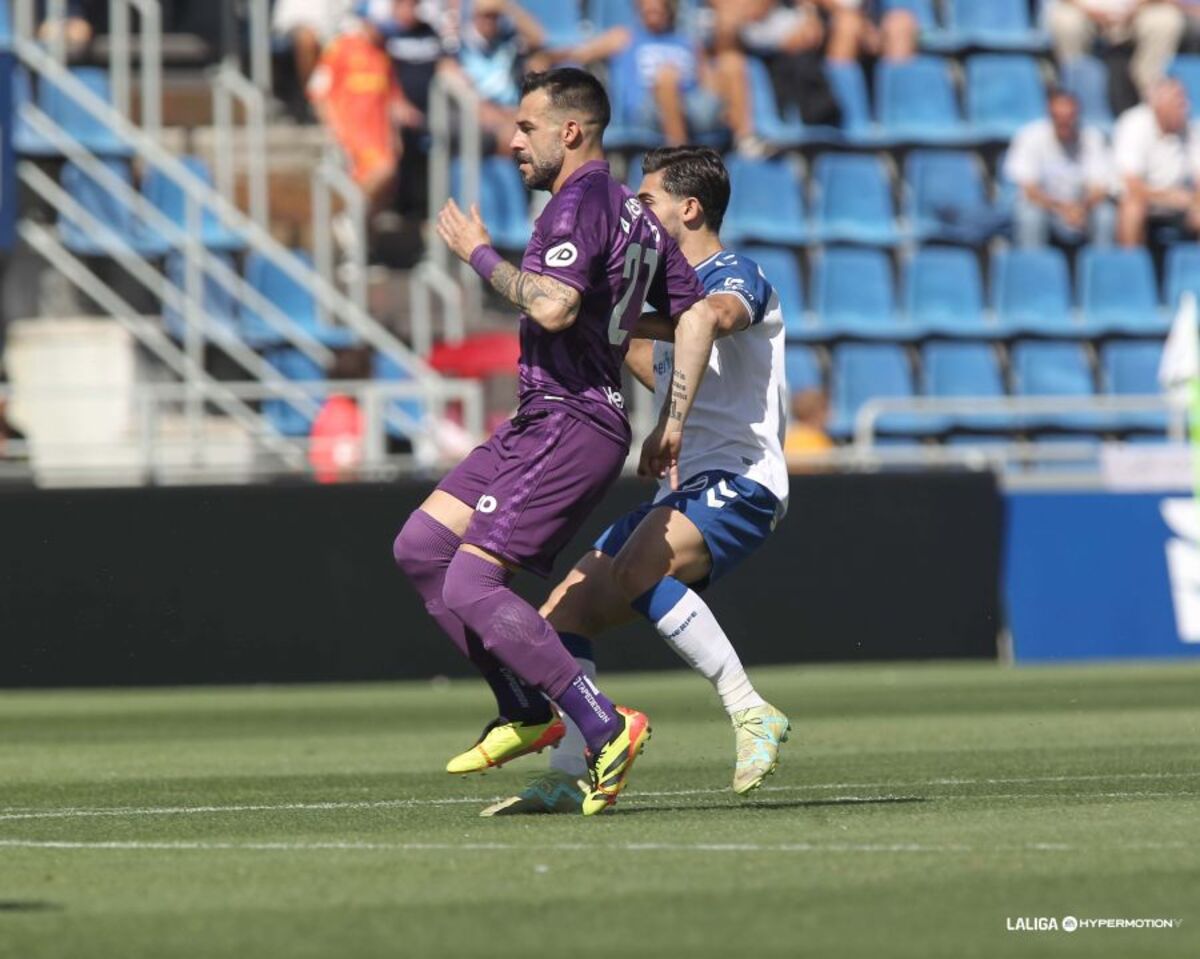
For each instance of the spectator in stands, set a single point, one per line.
(492, 48)
(308, 25)
(1153, 27)
(74, 30)
(1064, 176)
(354, 93)
(899, 36)
(416, 49)
(806, 432)
(788, 40)
(851, 34)
(679, 90)
(1156, 149)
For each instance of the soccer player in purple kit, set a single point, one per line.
(596, 256)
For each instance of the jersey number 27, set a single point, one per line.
(625, 314)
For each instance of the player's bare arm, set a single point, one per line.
(733, 316)
(551, 304)
(640, 360)
(695, 332)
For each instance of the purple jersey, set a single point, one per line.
(595, 237)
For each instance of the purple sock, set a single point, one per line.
(423, 550)
(477, 592)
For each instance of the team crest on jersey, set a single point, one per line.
(695, 485)
(564, 254)
(486, 504)
(634, 206)
(734, 283)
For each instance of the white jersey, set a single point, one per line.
(739, 416)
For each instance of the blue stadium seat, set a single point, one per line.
(850, 89)
(1087, 78)
(965, 370)
(503, 202)
(923, 10)
(916, 103)
(802, 368)
(787, 131)
(292, 299)
(384, 368)
(94, 135)
(1055, 370)
(1031, 291)
(994, 24)
(854, 295)
(216, 300)
(766, 203)
(560, 21)
(5, 25)
(1183, 272)
(626, 131)
(943, 292)
(1117, 292)
(299, 368)
(1131, 369)
(852, 200)
(1004, 92)
(945, 194)
(1186, 68)
(782, 271)
(106, 208)
(864, 371)
(168, 197)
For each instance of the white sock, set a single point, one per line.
(568, 757)
(693, 632)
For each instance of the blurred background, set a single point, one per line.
(233, 360)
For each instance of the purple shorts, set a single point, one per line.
(533, 483)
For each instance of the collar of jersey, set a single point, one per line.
(703, 263)
(592, 166)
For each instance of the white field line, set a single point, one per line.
(801, 847)
(14, 814)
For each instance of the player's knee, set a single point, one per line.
(631, 580)
(408, 548)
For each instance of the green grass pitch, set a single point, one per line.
(918, 812)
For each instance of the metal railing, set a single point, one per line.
(120, 63)
(330, 180)
(229, 86)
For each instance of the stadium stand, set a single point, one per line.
(852, 200)
(169, 199)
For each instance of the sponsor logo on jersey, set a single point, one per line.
(486, 504)
(695, 485)
(634, 206)
(719, 495)
(615, 397)
(564, 254)
(734, 283)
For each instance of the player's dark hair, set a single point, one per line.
(571, 89)
(693, 171)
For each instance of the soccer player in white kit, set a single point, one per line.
(655, 560)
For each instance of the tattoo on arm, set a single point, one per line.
(679, 393)
(525, 290)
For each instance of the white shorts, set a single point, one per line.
(324, 17)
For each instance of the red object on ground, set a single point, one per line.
(478, 357)
(335, 448)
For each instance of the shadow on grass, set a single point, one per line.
(770, 804)
(28, 905)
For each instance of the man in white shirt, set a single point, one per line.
(1156, 150)
(1064, 177)
(1154, 26)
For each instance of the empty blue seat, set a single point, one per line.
(1118, 293)
(1055, 370)
(768, 124)
(1031, 291)
(945, 194)
(943, 292)
(766, 202)
(802, 368)
(850, 89)
(965, 370)
(106, 208)
(293, 300)
(865, 371)
(503, 202)
(1183, 272)
(1186, 69)
(65, 111)
(1004, 92)
(385, 368)
(993, 24)
(782, 271)
(853, 200)
(217, 301)
(298, 367)
(1087, 78)
(1131, 369)
(916, 103)
(165, 194)
(854, 295)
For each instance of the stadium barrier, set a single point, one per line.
(296, 583)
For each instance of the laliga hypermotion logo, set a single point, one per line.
(1183, 564)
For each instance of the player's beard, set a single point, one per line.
(542, 172)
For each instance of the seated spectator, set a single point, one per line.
(354, 93)
(806, 432)
(851, 33)
(1154, 28)
(308, 25)
(74, 31)
(416, 49)
(492, 49)
(1064, 175)
(666, 75)
(899, 36)
(1156, 150)
(788, 41)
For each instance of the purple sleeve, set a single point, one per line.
(573, 240)
(676, 285)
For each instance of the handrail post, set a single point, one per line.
(193, 328)
(223, 120)
(118, 55)
(322, 237)
(260, 44)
